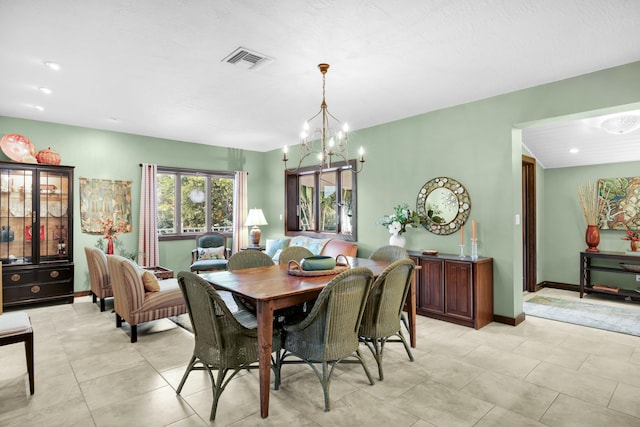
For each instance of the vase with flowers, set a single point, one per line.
(633, 237)
(399, 222)
(111, 230)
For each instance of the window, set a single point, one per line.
(321, 204)
(193, 202)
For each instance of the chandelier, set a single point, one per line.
(332, 143)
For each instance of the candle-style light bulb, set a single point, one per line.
(361, 154)
(285, 150)
(345, 128)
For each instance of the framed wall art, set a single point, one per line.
(102, 199)
(621, 198)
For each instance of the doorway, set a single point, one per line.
(529, 231)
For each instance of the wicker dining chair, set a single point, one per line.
(381, 318)
(223, 342)
(328, 334)
(248, 259)
(392, 253)
(293, 253)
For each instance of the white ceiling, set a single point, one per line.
(154, 67)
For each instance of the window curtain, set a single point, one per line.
(148, 254)
(240, 209)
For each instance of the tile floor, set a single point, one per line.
(540, 373)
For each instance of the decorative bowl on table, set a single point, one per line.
(631, 267)
(316, 263)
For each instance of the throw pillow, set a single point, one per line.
(150, 281)
(211, 253)
(273, 245)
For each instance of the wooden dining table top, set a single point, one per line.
(264, 283)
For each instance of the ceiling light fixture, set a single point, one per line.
(38, 107)
(197, 195)
(573, 150)
(331, 143)
(619, 125)
(45, 90)
(52, 65)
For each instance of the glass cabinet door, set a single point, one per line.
(53, 190)
(16, 216)
(34, 217)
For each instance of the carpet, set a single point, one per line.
(623, 320)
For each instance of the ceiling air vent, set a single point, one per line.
(247, 58)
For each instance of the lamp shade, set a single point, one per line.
(255, 217)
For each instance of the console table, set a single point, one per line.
(455, 289)
(587, 266)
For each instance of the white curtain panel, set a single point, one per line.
(148, 254)
(240, 209)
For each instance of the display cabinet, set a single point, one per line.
(36, 227)
(455, 289)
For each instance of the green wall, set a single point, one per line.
(479, 144)
(565, 226)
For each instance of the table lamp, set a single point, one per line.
(255, 218)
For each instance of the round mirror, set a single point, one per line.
(445, 205)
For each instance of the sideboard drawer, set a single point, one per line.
(38, 291)
(53, 274)
(17, 277)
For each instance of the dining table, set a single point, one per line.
(272, 288)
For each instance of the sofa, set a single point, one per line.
(328, 247)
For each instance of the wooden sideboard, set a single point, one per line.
(455, 289)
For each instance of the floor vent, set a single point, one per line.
(247, 59)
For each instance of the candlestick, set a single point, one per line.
(461, 251)
(474, 249)
(462, 235)
(473, 229)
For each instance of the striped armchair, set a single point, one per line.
(135, 305)
(98, 275)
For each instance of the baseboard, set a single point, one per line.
(511, 321)
(81, 294)
(558, 285)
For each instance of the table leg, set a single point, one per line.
(264, 313)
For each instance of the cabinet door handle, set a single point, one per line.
(35, 289)
(54, 274)
(15, 277)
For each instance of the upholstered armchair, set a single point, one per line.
(98, 275)
(210, 253)
(137, 300)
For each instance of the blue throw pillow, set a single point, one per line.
(273, 245)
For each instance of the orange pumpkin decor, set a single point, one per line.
(48, 157)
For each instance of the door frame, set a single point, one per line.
(529, 225)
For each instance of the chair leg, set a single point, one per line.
(118, 321)
(28, 349)
(326, 382)
(102, 307)
(93, 298)
(192, 363)
(364, 366)
(134, 333)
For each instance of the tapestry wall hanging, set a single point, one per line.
(621, 198)
(104, 199)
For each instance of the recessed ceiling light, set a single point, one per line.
(573, 150)
(45, 90)
(53, 65)
(39, 107)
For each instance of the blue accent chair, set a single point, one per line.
(210, 254)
